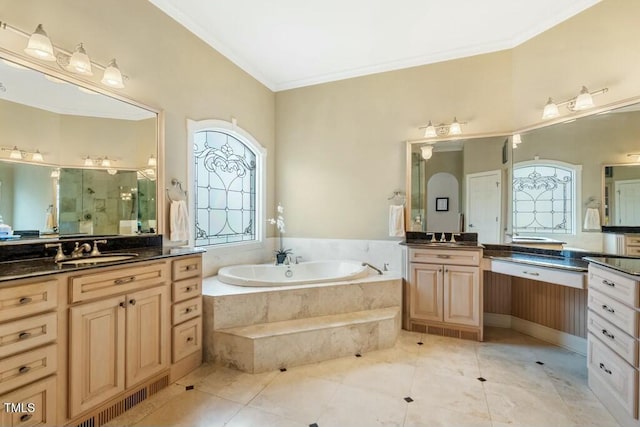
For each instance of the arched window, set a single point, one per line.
(227, 170)
(545, 195)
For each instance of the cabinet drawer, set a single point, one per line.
(117, 281)
(186, 310)
(619, 377)
(33, 405)
(624, 345)
(24, 368)
(187, 338)
(29, 298)
(21, 335)
(550, 275)
(632, 239)
(185, 289)
(445, 256)
(620, 315)
(632, 250)
(187, 267)
(614, 285)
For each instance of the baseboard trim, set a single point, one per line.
(544, 333)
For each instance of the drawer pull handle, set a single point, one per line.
(187, 289)
(191, 267)
(188, 310)
(24, 369)
(531, 273)
(132, 302)
(25, 417)
(608, 334)
(444, 256)
(604, 368)
(124, 280)
(607, 308)
(608, 283)
(123, 304)
(25, 300)
(24, 335)
(189, 339)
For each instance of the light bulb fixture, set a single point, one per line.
(443, 129)
(112, 171)
(112, 75)
(583, 101)
(40, 46)
(37, 156)
(55, 173)
(15, 153)
(88, 161)
(152, 161)
(106, 162)
(635, 156)
(79, 62)
(427, 151)
(516, 140)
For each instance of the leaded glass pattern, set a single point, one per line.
(543, 199)
(225, 183)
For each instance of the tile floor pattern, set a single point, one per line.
(440, 376)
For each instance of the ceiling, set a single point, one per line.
(292, 43)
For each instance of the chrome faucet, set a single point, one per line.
(80, 249)
(298, 259)
(443, 237)
(366, 264)
(453, 238)
(95, 251)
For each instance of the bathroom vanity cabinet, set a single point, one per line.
(612, 341)
(445, 292)
(85, 345)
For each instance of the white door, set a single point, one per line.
(627, 202)
(483, 207)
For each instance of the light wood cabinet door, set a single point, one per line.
(426, 292)
(147, 334)
(96, 353)
(462, 295)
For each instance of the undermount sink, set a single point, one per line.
(99, 259)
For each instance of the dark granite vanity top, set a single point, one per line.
(31, 260)
(624, 265)
(561, 259)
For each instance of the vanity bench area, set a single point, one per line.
(85, 340)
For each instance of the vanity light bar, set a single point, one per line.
(16, 153)
(443, 129)
(39, 46)
(582, 101)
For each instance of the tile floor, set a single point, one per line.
(440, 377)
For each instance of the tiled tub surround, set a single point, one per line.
(262, 329)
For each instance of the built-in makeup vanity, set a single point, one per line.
(84, 339)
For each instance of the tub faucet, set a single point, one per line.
(298, 259)
(366, 264)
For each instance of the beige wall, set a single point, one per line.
(168, 67)
(339, 144)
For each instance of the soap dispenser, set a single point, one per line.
(5, 230)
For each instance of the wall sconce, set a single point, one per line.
(516, 140)
(55, 173)
(39, 46)
(634, 156)
(583, 101)
(427, 151)
(431, 131)
(105, 162)
(16, 153)
(152, 161)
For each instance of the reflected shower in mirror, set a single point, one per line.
(621, 195)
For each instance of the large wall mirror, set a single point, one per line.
(578, 175)
(74, 161)
(448, 179)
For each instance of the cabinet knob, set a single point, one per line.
(187, 289)
(189, 339)
(132, 301)
(191, 267)
(123, 304)
(188, 310)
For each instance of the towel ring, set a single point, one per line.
(398, 196)
(177, 187)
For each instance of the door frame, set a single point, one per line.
(468, 177)
(616, 189)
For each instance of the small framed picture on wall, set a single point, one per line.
(442, 204)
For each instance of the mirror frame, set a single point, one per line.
(78, 80)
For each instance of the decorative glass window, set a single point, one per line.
(544, 197)
(226, 181)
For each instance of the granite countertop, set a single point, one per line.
(42, 266)
(624, 265)
(564, 263)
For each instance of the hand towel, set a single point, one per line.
(179, 221)
(396, 221)
(592, 219)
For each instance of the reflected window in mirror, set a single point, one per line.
(228, 172)
(544, 197)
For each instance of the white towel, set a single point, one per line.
(179, 220)
(396, 221)
(48, 222)
(592, 219)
